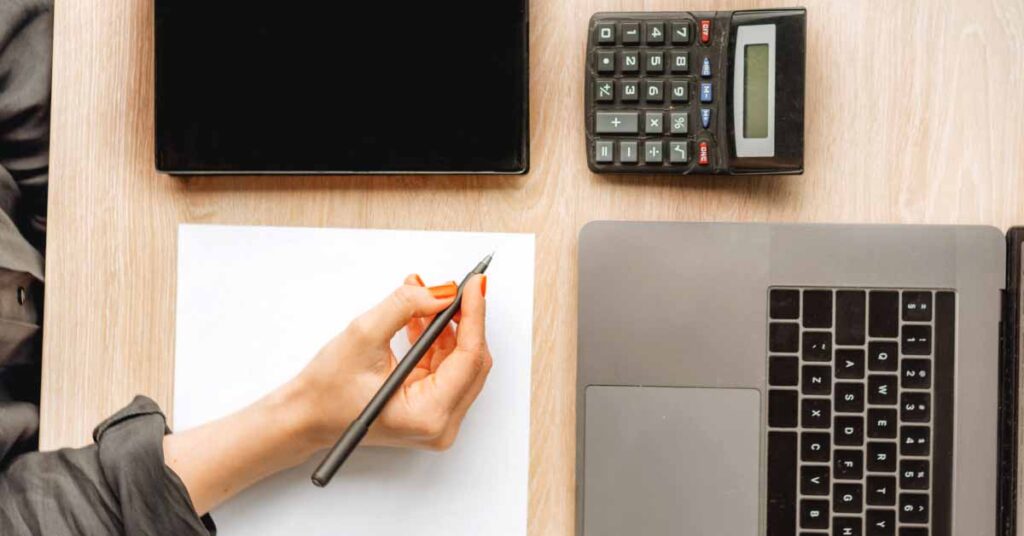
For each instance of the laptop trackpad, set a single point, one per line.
(671, 460)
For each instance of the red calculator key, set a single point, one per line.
(705, 31)
(702, 154)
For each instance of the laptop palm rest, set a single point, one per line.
(671, 460)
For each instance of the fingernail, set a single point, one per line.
(483, 285)
(447, 290)
(419, 280)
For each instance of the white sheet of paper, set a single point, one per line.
(256, 303)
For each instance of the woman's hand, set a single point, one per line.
(428, 410)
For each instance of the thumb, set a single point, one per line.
(408, 301)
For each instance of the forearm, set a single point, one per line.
(221, 458)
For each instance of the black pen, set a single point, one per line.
(357, 429)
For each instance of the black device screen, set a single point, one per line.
(260, 86)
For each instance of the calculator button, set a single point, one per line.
(655, 33)
(605, 33)
(703, 157)
(705, 31)
(679, 61)
(629, 90)
(654, 61)
(680, 90)
(652, 152)
(628, 152)
(606, 61)
(705, 92)
(605, 91)
(630, 61)
(705, 67)
(681, 33)
(705, 117)
(630, 33)
(617, 122)
(655, 90)
(679, 122)
(653, 122)
(679, 153)
(604, 151)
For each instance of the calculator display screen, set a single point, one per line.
(755, 91)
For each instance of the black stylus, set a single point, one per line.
(357, 429)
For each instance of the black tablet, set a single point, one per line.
(257, 86)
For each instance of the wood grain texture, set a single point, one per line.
(915, 113)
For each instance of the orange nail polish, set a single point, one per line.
(419, 280)
(483, 285)
(447, 290)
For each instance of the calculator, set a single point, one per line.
(696, 92)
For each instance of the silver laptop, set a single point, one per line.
(796, 380)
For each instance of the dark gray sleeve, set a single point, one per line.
(118, 486)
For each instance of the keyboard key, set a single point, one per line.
(814, 480)
(679, 123)
(917, 373)
(705, 67)
(814, 514)
(655, 90)
(880, 522)
(915, 407)
(883, 314)
(653, 122)
(705, 31)
(817, 380)
(848, 464)
(914, 474)
(783, 337)
(913, 508)
(917, 306)
(881, 490)
(881, 457)
(817, 309)
(679, 61)
(705, 92)
(846, 526)
(679, 152)
(680, 90)
(630, 90)
(882, 389)
(703, 153)
(604, 91)
(653, 152)
(916, 340)
(628, 152)
(883, 356)
(817, 346)
(605, 61)
(915, 440)
(849, 431)
(654, 61)
(617, 122)
(882, 423)
(815, 413)
(782, 471)
(604, 151)
(705, 118)
(847, 498)
(630, 61)
(815, 446)
(605, 33)
(849, 397)
(655, 33)
(849, 364)
(913, 531)
(681, 33)
(851, 309)
(782, 408)
(630, 33)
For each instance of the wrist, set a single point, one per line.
(293, 409)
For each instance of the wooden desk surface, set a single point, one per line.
(915, 113)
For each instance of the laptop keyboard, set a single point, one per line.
(860, 390)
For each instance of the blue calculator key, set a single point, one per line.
(705, 92)
(705, 68)
(705, 117)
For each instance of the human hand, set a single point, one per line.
(428, 411)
